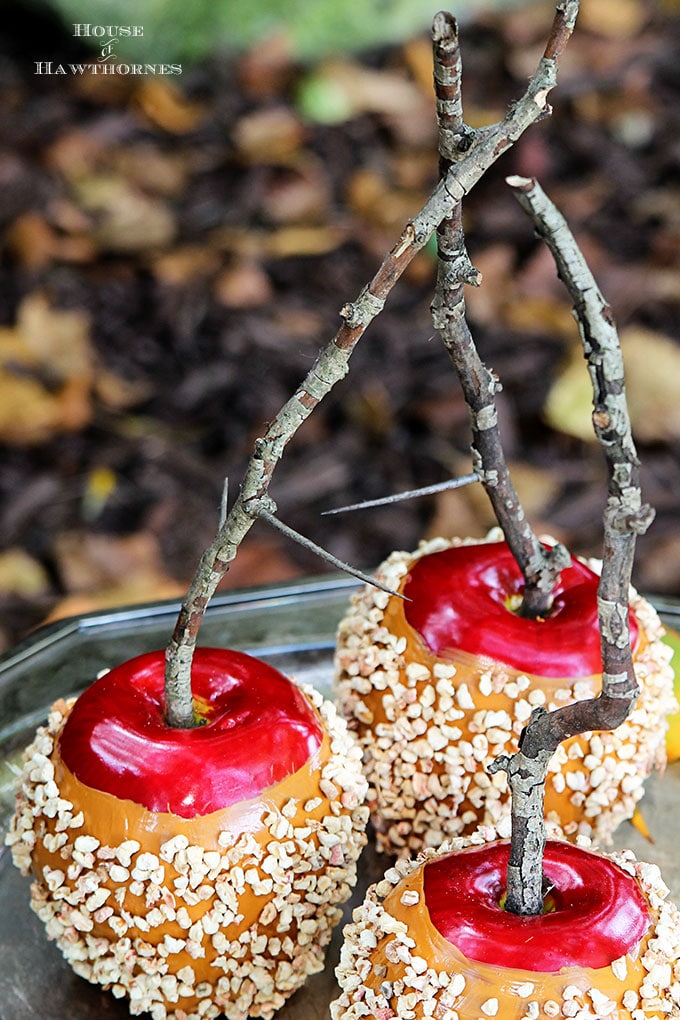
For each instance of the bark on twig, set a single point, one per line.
(625, 518)
(332, 363)
(540, 567)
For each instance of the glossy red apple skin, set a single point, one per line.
(393, 937)
(458, 598)
(255, 729)
(597, 912)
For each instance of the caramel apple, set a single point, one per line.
(432, 939)
(440, 682)
(198, 872)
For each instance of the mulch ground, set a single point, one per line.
(174, 254)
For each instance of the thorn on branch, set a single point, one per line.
(261, 508)
(427, 490)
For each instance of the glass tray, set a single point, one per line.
(293, 627)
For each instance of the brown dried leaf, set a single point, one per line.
(57, 339)
(270, 135)
(181, 265)
(130, 566)
(351, 90)
(303, 241)
(126, 220)
(243, 285)
(121, 394)
(46, 371)
(540, 314)
(165, 105)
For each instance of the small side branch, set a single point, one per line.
(398, 497)
(265, 510)
(625, 517)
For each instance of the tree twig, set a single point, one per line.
(398, 497)
(332, 363)
(625, 517)
(265, 509)
(539, 565)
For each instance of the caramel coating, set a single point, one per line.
(395, 963)
(222, 914)
(430, 727)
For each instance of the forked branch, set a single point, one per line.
(625, 518)
(539, 565)
(333, 361)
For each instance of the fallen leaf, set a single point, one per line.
(181, 265)
(454, 516)
(121, 394)
(373, 199)
(100, 485)
(338, 90)
(21, 574)
(46, 372)
(612, 18)
(32, 239)
(298, 195)
(271, 135)
(652, 367)
(110, 569)
(652, 363)
(165, 105)
(540, 314)
(243, 285)
(125, 219)
(303, 241)
(57, 338)
(536, 488)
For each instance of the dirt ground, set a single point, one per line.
(173, 255)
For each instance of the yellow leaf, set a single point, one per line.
(615, 19)
(21, 575)
(57, 338)
(652, 367)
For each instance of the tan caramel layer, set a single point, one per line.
(229, 910)
(430, 727)
(394, 960)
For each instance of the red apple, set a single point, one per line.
(433, 938)
(255, 728)
(440, 683)
(173, 865)
(463, 599)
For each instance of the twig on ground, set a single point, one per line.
(625, 517)
(332, 363)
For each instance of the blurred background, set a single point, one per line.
(175, 249)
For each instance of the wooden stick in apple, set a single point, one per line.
(540, 566)
(625, 517)
(439, 683)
